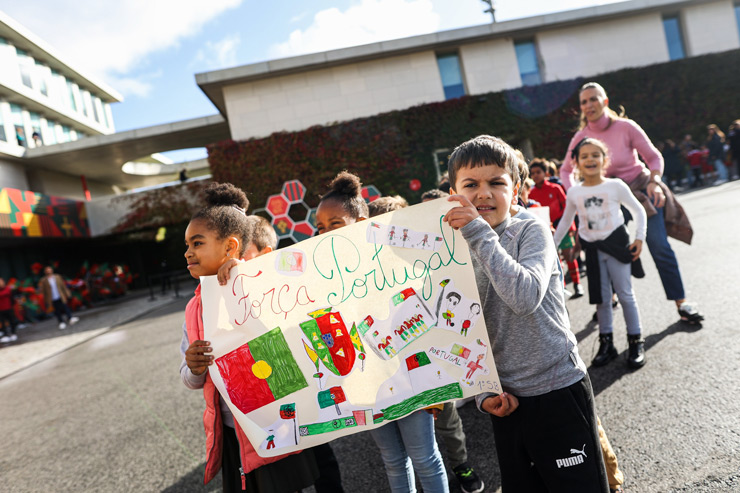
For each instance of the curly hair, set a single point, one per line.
(346, 189)
(225, 212)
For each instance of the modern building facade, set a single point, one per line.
(43, 101)
(295, 93)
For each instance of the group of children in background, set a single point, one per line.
(545, 421)
(712, 162)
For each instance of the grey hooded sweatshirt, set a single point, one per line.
(521, 290)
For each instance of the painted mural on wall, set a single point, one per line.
(30, 214)
(349, 330)
(290, 215)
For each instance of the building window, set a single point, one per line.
(85, 97)
(737, 16)
(674, 37)
(36, 128)
(96, 113)
(25, 63)
(104, 107)
(71, 94)
(41, 72)
(16, 113)
(3, 137)
(449, 70)
(66, 135)
(529, 66)
(51, 132)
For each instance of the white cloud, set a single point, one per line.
(368, 22)
(219, 54)
(109, 39)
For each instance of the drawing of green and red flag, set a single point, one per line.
(417, 360)
(260, 372)
(333, 395)
(287, 411)
(331, 340)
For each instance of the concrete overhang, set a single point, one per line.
(101, 157)
(213, 83)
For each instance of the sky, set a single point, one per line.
(150, 50)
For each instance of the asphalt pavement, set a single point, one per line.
(100, 407)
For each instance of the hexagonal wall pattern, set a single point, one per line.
(290, 216)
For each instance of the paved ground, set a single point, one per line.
(108, 412)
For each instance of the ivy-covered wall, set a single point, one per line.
(389, 150)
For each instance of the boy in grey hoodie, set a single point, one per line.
(544, 422)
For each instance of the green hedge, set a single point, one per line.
(389, 150)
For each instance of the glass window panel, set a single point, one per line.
(673, 37)
(449, 71)
(71, 93)
(51, 132)
(737, 16)
(529, 67)
(95, 109)
(16, 112)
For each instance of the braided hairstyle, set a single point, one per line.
(346, 190)
(225, 212)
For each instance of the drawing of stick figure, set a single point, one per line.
(271, 440)
(392, 233)
(452, 300)
(424, 241)
(474, 366)
(474, 312)
(405, 236)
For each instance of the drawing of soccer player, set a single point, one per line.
(474, 312)
(474, 366)
(392, 233)
(405, 236)
(452, 300)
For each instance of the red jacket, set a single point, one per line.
(550, 195)
(6, 302)
(212, 415)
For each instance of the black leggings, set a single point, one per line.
(7, 315)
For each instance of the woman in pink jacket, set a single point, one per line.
(627, 142)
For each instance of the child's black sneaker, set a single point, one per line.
(468, 479)
(689, 313)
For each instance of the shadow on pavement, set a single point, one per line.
(602, 378)
(193, 482)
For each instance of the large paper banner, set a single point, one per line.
(346, 331)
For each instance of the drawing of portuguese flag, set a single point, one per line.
(260, 372)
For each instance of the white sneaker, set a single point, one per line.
(73, 320)
(21, 326)
(5, 339)
(62, 326)
(13, 338)
(720, 181)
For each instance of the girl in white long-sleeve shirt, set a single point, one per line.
(602, 231)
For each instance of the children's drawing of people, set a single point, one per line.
(392, 233)
(452, 300)
(474, 312)
(270, 440)
(424, 241)
(474, 366)
(405, 236)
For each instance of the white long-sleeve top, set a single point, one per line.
(599, 212)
